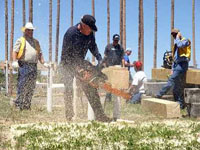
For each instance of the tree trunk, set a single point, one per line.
(50, 30)
(108, 21)
(139, 32)
(93, 14)
(24, 12)
(172, 22)
(72, 12)
(124, 24)
(121, 22)
(155, 37)
(193, 33)
(57, 30)
(11, 45)
(142, 34)
(31, 11)
(6, 30)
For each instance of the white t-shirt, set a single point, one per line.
(138, 80)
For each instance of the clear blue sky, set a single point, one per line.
(183, 21)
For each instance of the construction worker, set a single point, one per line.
(181, 57)
(137, 87)
(127, 63)
(26, 54)
(76, 42)
(113, 55)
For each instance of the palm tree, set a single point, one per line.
(108, 21)
(124, 24)
(93, 14)
(172, 21)
(193, 33)
(6, 30)
(142, 34)
(139, 31)
(6, 42)
(50, 30)
(12, 28)
(72, 12)
(121, 22)
(57, 30)
(155, 37)
(31, 11)
(11, 43)
(23, 12)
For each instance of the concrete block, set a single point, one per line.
(195, 110)
(160, 107)
(118, 77)
(192, 95)
(152, 88)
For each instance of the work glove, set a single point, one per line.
(46, 65)
(15, 64)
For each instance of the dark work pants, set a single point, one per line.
(90, 92)
(177, 82)
(27, 75)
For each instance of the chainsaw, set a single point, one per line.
(92, 75)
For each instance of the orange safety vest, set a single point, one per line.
(23, 44)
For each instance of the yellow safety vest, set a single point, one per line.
(23, 44)
(185, 51)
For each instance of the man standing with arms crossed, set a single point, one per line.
(77, 40)
(113, 55)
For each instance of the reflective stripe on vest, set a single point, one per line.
(22, 46)
(21, 50)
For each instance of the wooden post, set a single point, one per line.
(49, 88)
(116, 108)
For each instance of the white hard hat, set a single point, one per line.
(28, 25)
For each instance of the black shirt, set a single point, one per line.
(75, 46)
(113, 54)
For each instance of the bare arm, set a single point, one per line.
(14, 56)
(41, 58)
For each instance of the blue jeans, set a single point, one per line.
(27, 75)
(136, 98)
(177, 82)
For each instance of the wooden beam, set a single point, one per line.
(192, 75)
(161, 107)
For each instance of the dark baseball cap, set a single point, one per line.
(90, 21)
(116, 37)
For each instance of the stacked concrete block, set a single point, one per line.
(152, 88)
(162, 108)
(192, 101)
(118, 76)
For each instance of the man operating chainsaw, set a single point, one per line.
(77, 40)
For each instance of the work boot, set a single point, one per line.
(104, 119)
(156, 96)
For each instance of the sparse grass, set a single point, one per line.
(146, 133)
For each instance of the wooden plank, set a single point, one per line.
(160, 107)
(118, 76)
(192, 75)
